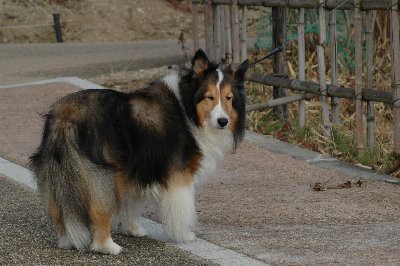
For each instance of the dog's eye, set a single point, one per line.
(210, 98)
(229, 98)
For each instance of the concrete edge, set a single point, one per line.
(17, 173)
(322, 160)
(199, 247)
(81, 83)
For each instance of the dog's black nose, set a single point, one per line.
(222, 122)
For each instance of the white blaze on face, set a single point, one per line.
(218, 112)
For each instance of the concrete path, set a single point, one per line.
(260, 202)
(26, 238)
(29, 62)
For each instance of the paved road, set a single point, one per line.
(29, 62)
(26, 238)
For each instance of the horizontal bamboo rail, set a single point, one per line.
(314, 87)
(330, 4)
(280, 101)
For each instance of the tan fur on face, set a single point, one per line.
(205, 107)
(226, 91)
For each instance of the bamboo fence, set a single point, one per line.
(226, 39)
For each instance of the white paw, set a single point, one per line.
(189, 237)
(64, 242)
(109, 247)
(185, 237)
(137, 230)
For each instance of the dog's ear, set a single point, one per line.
(200, 62)
(239, 74)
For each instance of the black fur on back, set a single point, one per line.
(142, 152)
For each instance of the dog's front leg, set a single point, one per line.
(178, 213)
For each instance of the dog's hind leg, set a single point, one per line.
(131, 202)
(57, 218)
(134, 213)
(130, 213)
(100, 221)
(178, 212)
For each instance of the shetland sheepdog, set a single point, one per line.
(104, 152)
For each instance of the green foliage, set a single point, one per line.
(344, 33)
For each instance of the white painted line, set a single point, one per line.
(17, 173)
(80, 83)
(200, 247)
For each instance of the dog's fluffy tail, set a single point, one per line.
(58, 170)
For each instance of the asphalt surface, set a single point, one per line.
(21, 63)
(27, 238)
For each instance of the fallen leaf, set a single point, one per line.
(319, 187)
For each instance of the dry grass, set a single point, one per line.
(311, 136)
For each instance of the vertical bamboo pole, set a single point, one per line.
(302, 63)
(358, 77)
(222, 32)
(217, 31)
(235, 32)
(395, 47)
(243, 34)
(195, 20)
(322, 68)
(369, 38)
(228, 35)
(334, 66)
(280, 67)
(208, 27)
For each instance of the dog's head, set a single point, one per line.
(218, 95)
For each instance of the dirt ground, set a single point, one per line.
(259, 203)
(103, 20)
(94, 20)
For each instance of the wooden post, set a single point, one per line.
(57, 27)
(195, 20)
(322, 68)
(208, 27)
(280, 68)
(302, 64)
(243, 34)
(358, 77)
(222, 32)
(217, 32)
(395, 47)
(228, 35)
(335, 110)
(235, 32)
(369, 38)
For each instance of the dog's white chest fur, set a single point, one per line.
(212, 142)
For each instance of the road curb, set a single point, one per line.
(322, 160)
